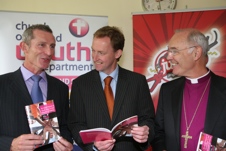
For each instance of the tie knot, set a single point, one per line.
(36, 78)
(107, 80)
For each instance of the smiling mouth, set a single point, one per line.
(98, 63)
(46, 59)
(174, 63)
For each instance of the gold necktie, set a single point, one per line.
(109, 95)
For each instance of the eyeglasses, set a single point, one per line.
(175, 51)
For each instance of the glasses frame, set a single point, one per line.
(175, 51)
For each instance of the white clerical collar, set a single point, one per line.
(196, 80)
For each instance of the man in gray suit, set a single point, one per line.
(88, 107)
(193, 103)
(38, 46)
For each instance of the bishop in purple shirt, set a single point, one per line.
(192, 103)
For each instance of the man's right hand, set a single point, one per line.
(106, 145)
(26, 142)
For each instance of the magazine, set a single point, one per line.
(99, 134)
(208, 142)
(42, 120)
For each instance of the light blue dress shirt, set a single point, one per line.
(29, 82)
(114, 75)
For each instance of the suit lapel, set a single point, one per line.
(50, 88)
(121, 89)
(177, 97)
(98, 88)
(215, 106)
(19, 87)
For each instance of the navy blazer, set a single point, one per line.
(168, 116)
(88, 107)
(14, 96)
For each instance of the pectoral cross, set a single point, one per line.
(186, 137)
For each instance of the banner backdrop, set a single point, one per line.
(73, 35)
(151, 33)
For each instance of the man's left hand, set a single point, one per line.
(62, 145)
(140, 133)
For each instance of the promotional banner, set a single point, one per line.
(152, 32)
(73, 35)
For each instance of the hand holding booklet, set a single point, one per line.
(123, 128)
(42, 120)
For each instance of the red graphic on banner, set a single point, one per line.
(67, 80)
(151, 33)
(78, 27)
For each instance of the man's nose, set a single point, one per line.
(169, 56)
(49, 51)
(94, 56)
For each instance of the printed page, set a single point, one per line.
(42, 120)
(124, 127)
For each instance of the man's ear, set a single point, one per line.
(118, 53)
(23, 46)
(197, 53)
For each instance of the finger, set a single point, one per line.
(24, 147)
(29, 144)
(140, 139)
(58, 146)
(30, 136)
(111, 147)
(65, 143)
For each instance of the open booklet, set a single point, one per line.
(123, 128)
(42, 120)
(208, 142)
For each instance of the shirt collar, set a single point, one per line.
(28, 74)
(114, 74)
(199, 79)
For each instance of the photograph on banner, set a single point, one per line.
(152, 32)
(73, 34)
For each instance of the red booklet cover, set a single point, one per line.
(123, 128)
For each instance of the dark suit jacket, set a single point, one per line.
(88, 107)
(14, 96)
(168, 114)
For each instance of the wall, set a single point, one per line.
(119, 13)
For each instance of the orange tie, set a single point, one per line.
(109, 95)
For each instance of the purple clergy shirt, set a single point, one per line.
(193, 92)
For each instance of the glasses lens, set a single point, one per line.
(172, 51)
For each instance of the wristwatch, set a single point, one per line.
(153, 5)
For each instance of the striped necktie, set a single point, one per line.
(109, 95)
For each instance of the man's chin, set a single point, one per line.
(98, 67)
(175, 73)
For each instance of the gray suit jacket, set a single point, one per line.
(14, 96)
(168, 114)
(88, 108)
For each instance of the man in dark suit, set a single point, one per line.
(193, 103)
(38, 45)
(88, 107)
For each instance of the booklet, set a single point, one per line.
(42, 120)
(208, 142)
(123, 128)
